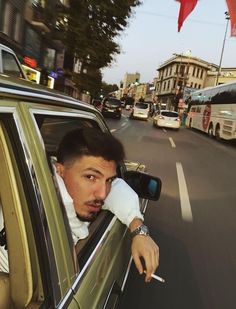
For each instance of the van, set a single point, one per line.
(46, 269)
(140, 110)
(9, 64)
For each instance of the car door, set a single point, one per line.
(38, 275)
(102, 257)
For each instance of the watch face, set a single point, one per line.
(141, 230)
(144, 229)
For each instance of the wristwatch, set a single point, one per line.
(141, 230)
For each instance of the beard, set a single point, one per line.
(92, 214)
(90, 218)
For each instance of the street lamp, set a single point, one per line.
(227, 17)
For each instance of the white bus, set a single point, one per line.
(213, 110)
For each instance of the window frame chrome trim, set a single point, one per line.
(86, 115)
(84, 270)
(35, 186)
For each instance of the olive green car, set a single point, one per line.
(46, 270)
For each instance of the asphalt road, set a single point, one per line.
(194, 222)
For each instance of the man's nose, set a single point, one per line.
(101, 191)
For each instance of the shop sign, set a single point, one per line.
(31, 62)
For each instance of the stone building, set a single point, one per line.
(179, 74)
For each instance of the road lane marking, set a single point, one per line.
(183, 192)
(172, 142)
(164, 130)
(113, 130)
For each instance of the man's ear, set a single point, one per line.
(60, 169)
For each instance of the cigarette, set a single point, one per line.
(156, 277)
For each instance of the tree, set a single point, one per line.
(92, 27)
(108, 88)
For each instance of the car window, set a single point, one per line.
(10, 65)
(112, 102)
(141, 105)
(52, 129)
(169, 114)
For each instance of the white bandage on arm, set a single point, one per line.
(123, 202)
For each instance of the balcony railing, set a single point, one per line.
(39, 18)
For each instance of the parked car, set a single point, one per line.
(140, 111)
(166, 119)
(9, 63)
(46, 269)
(111, 107)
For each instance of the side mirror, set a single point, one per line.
(145, 185)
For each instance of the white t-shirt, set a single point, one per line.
(3, 252)
(122, 201)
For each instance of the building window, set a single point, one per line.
(198, 71)
(7, 17)
(168, 85)
(164, 86)
(182, 69)
(1, 14)
(17, 27)
(194, 71)
(174, 83)
(201, 74)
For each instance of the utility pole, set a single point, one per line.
(227, 17)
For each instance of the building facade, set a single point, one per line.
(32, 29)
(180, 74)
(130, 79)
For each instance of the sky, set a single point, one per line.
(152, 38)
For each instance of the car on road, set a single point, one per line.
(166, 119)
(46, 269)
(140, 110)
(111, 107)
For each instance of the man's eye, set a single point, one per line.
(90, 177)
(110, 180)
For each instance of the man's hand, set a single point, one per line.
(145, 247)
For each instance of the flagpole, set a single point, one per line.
(227, 17)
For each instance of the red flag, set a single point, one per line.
(186, 7)
(232, 14)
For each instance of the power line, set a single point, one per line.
(176, 17)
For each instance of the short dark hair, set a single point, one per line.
(90, 142)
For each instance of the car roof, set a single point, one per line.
(14, 87)
(167, 110)
(4, 47)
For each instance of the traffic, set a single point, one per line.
(117, 154)
(194, 221)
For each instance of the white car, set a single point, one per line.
(166, 119)
(140, 110)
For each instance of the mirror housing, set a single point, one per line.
(145, 185)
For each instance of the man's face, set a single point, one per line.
(88, 181)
